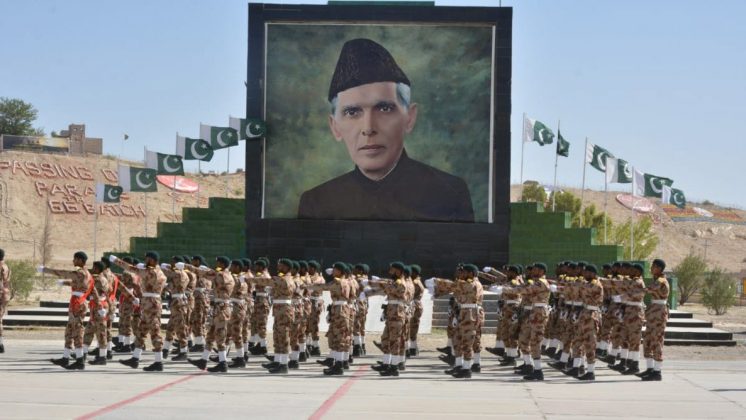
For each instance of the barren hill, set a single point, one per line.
(35, 186)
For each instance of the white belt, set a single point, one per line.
(633, 304)
(469, 306)
(316, 298)
(512, 302)
(177, 295)
(396, 302)
(577, 303)
(658, 302)
(339, 302)
(151, 295)
(261, 294)
(616, 298)
(297, 301)
(200, 289)
(78, 294)
(527, 307)
(540, 305)
(282, 301)
(235, 300)
(222, 300)
(591, 308)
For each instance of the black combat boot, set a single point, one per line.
(78, 365)
(269, 357)
(572, 372)
(179, 357)
(95, 352)
(109, 355)
(462, 373)
(524, 369)
(154, 367)
(448, 359)
(303, 356)
(176, 350)
(328, 362)
(559, 365)
(214, 358)
(452, 370)
(536, 375)
(507, 361)
(589, 376)
(445, 350)
(315, 351)
(379, 367)
(655, 376)
(393, 370)
(414, 352)
(493, 350)
(62, 361)
(363, 349)
(632, 368)
(98, 361)
(278, 369)
(197, 348)
(2, 348)
(131, 362)
(558, 355)
(270, 365)
(356, 350)
(476, 368)
(200, 363)
(237, 362)
(164, 352)
(647, 372)
(293, 364)
(619, 367)
(246, 356)
(551, 351)
(221, 367)
(401, 366)
(336, 369)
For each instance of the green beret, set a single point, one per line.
(106, 262)
(416, 268)
(128, 260)
(153, 254)
(407, 270)
(200, 258)
(177, 258)
(471, 268)
(638, 266)
(315, 264)
(606, 267)
(238, 263)
(223, 259)
(340, 266)
(135, 261)
(296, 265)
(303, 264)
(246, 263)
(359, 266)
(397, 264)
(80, 255)
(262, 261)
(592, 268)
(285, 261)
(626, 264)
(519, 268)
(541, 266)
(659, 263)
(582, 263)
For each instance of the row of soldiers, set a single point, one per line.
(576, 318)
(221, 305)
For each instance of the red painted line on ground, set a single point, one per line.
(341, 391)
(138, 397)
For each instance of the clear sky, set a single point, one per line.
(661, 83)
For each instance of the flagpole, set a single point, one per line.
(632, 225)
(199, 175)
(582, 188)
(95, 226)
(119, 215)
(556, 160)
(523, 143)
(606, 204)
(145, 199)
(173, 190)
(227, 172)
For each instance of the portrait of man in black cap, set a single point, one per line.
(371, 115)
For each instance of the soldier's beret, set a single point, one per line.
(340, 266)
(200, 258)
(626, 264)
(471, 268)
(519, 268)
(315, 264)
(360, 266)
(80, 255)
(246, 263)
(237, 263)
(262, 261)
(638, 266)
(285, 261)
(416, 268)
(397, 264)
(128, 260)
(348, 268)
(106, 261)
(592, 268)
(572, 265)
(541, 266)
(606, 267)
(135, 261)
(582, 263)
(616, 264)
(303, 264)
(659, 263)
(177, 258)
(364, 61)
(223, 260)
(186, 258)
(296, 265)
(407, 270)
(512, 268)
(153, 254)
(366, 268)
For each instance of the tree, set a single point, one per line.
(17, 118)
(21, 278)
(534, 192)
(644, 237)
(45, 247)
(719, 291)
(567, 201)
(689, 274)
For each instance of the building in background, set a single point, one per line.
(72, 141)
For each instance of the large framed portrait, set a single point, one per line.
(379, 120)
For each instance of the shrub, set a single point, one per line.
(689, 273)
(534, 192)
(22, 274)
(719, 291)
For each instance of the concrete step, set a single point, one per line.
(679, 314)
(698, 334)
(688, 342)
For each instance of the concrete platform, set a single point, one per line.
(36, 389)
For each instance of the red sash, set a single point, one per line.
(113, 294)
(77, 301)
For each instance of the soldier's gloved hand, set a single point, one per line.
(364, 282)
(553, 288)
(242, 278)
(180, 265)
(487, 269)
(101, 312)
(165, 266)
(140, 266)
(204, 268)
(136, 301)
(376, 278)
(329, 271)
(362, 297)
(40, 269)
(498, 290)
(113, 258)
(514, 318)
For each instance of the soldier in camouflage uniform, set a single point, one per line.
(396, 293)
(619, 280)
(222, 286)
(128, 323)
(81, 283)
(557, 303)
(656, 317)
(4, 294)
(238, 313)
(589, 322)
(111, 298)
(567, 327)
(511, 307)
(633, 293)
(190, 303)
(202, 290)
(414, 326)
(153, 281)
(360, 272)
(604, 333)
(317, 308)
(298, 327)
(283, 287)
(99, 305)
(538, 295)
(259, 317)
(178, 322)
(245, 330)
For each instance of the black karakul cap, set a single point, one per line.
(364, 61)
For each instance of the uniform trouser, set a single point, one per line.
(178, 324)
(414, 325)
(218, 334)
(298, 327)
(246, 328)
(468, 320)
(404, 336)
(96, 326)
(126, 313)
(236, 326)
(395, 327)
(587, 327)
(524, 332)
(451, 328)
(552, 325)
(199, 315)
(284, 317)
(339, 332)
(317, 308)
(537, 323)
(633, 320)
(477, 347)
(3, 310)
(259, 317)
(569, 330)
(656, 317)
(190, 310)
(74, 328)
(617, 327)
(150, 323)
(110, 318)
(385, 339)
(608, 321)
(505, 326)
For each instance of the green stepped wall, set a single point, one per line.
(536, 235)
(216, 230)
(219, 229)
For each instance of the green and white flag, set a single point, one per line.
(618, 171)
(164, 164)
(108, 193)
(248, 128)
(563, 146)
(673, 196)
(647, 185)
(218, 137)
(193, 149)
(596, 156)
(534, 130)
(137, 179)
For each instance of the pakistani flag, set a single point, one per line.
(618, 171)
(164, 164)
(596, 156)
(193, 149)
(536, 131)
(673, 196)
(647, 185)
(108, 193)
(563, 146)
(137, 179)
(248, 128)
(219, 137)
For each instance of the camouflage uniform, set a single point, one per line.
(317, 309)
(238, 315)
(283, 287)
(538, 293)
(191, 285)
(589, 321)
(617, 324)
(201, 307)
(130, 290)
(634, 292)
(178, 322)
(404, 338)
(340, 314)
(572, 303)
(96, 325)
(298, 327)
(222, 286)
(510, 312)
(361, 312)
(607, 314)
(469, 294)
(414, 326)
(113, 280)
(656, 316)
(261, 311)
(396, 312)
(81, 285)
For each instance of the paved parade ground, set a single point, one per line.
(34, 388)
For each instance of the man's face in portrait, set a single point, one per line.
(372, 121)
